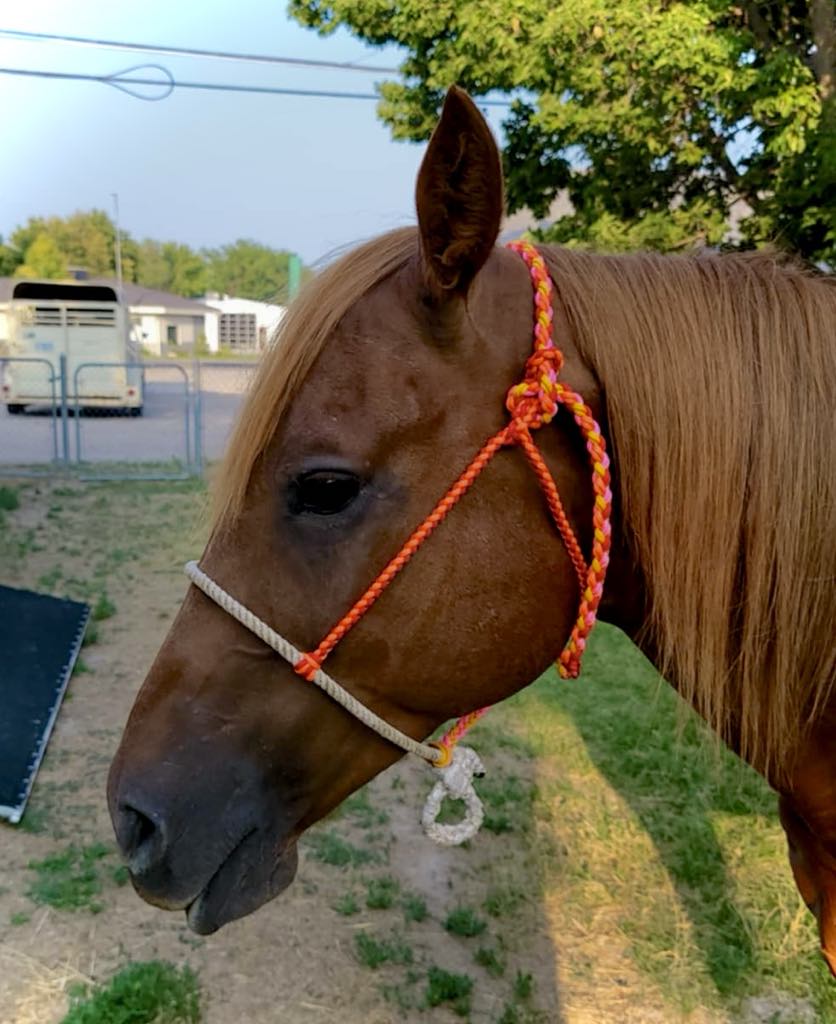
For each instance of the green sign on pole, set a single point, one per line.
(294, 275)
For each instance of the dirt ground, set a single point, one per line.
(296, 960)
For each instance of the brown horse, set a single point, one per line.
(714, 379)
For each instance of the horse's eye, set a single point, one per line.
(323, 492)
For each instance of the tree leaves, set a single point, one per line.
(658, 119)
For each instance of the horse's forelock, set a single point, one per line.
(300, 337)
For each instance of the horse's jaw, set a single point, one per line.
(244, 882)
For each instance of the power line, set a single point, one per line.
(186, 51)
(121, 79)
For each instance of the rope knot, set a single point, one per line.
(535, 399)
(456, 781)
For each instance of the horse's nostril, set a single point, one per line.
(140, 839)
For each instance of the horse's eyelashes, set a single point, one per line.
(323, 492)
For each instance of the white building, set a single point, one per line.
(241, 325)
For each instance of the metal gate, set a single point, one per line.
(37, 447)
(178, 414)
(106, 420)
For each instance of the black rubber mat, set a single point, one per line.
(40, 637)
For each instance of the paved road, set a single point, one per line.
(157, 436)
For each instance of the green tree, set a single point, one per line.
(87, 239)
(188, 270)
(43, 258)
(152, 268)
(662, 120)
(171, 267)
(9, 259)
(249, 270)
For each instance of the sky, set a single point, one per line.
(306, 174)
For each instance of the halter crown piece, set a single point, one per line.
(532, 403)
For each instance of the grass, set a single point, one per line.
(372, 952)
(359, 808)
(381, 893)
(331, 848)
(69, 880)
(91, 634)
(444, 987)
(503, 901)
(492, 961)
(153, 992)
(9, 498)
(347, 904)
(523, 986)
(668, 837)
(414, 908)
(465, 922)
(104, 608)
(120, 875)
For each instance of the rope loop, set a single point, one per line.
(455, 781)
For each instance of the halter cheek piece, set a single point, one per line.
(531, 404)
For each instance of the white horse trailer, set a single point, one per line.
(87, 324)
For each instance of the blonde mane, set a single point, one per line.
(720, 377)
(719, 374)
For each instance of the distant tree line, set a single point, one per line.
(47, 247)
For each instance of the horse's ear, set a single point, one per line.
(458, 196)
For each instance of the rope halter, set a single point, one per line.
(531, 404)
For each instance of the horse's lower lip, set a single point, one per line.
(240, 885)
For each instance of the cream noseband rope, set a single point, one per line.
(456, 776)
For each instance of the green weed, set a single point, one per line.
(514, 1014)
(372, 952)
(414, 908)
(69, 880)
(332, 849)
(444, 987)
(154, 992)
(34, 820)
(359, 807)
(49, 580)
(347, 904)
(463, 921)
(19, 918)
(9, 498)
(104, 608)
(399, 995)
(490, 960)
(523, 986)
(120, 875)
(502, 901)
(381, 893)
(91, 634)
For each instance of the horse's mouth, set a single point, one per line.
(246, 880)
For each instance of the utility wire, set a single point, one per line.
(185, 51)
(121, 79)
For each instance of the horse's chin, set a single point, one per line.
(242, 884)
